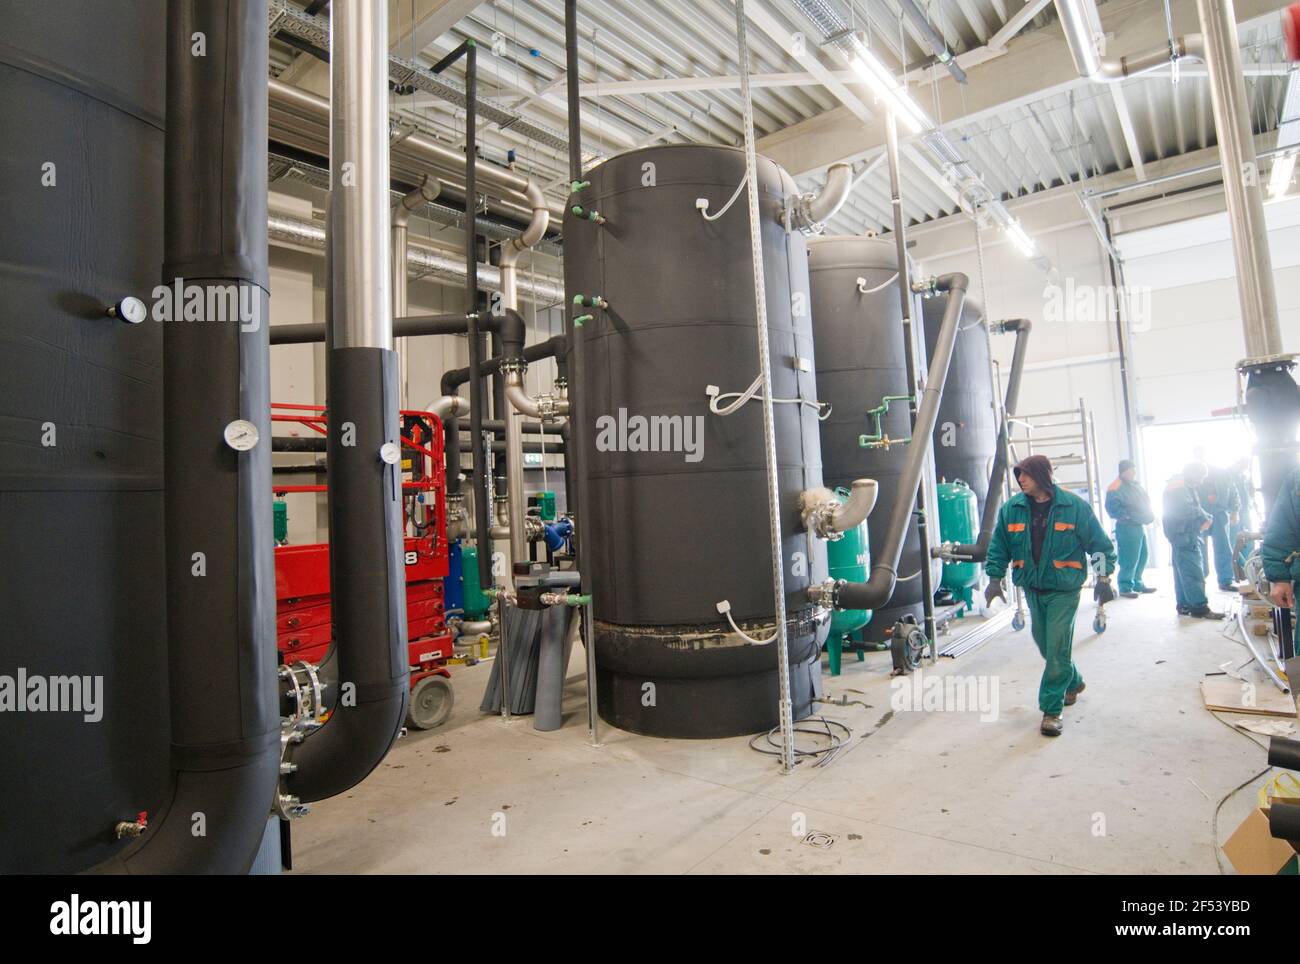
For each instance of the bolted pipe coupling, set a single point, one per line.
(823, 594)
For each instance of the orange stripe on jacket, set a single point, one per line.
(1066, 564)
(1015, 527)
(1064, 526)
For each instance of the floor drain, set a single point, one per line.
(819, 839)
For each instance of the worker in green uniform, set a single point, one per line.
(1280, 550)
(1050, 539)
(1130, 506)
(1219, 498)
(1184, 520)
(1244, 482)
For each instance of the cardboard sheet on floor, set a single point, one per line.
(1228, 695)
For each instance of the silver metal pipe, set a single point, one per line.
(1242, 187)
(427, 261)
(427, 152)
(1081, 24)
(362, 285)
(821, 207)
(427, 190)
(786, 708)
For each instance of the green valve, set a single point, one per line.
(878, 439)
(545, 502)
(576, 186)
(578, 322)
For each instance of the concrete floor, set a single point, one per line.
(1130, 787)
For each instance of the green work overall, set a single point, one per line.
(1074, 541)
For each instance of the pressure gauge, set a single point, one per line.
(241, 435)
(130, 310)
(389, 453)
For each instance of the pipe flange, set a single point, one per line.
(550, 407)
(823, 594)
(819, 518)
(802, 217)
(514, 366)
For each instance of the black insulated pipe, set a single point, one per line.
(225, 726)
(367, 576)
(412, 326)
(1284, 752)
(978, 551)
(877, 590)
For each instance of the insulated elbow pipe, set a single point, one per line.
(978, 551)
(878, 589)
(366, 539)
(225, 752)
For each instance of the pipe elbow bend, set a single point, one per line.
(835, 191)
(862, 499)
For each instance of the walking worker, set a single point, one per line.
(1280, 550)
(1183, 521)
(1130, 506)
(1218, 492)
(1049, 538)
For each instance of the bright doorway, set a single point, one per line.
(1167, 448)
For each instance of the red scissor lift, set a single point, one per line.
(302, 573)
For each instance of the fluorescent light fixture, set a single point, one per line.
(1279, 179)
(877, 76)
(1023, 242)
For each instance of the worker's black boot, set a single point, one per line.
(1204, 612)
(1051, 726)
(1072, 696)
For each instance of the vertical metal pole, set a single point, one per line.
(786, 708)
(909, 344)
(1241, 180)
(1125, 341)
(575, 453)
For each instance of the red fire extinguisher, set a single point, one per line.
(1291, 30)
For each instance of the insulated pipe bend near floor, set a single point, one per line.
(978, 551)
(366, 536)
(878, 589)
(224, 725)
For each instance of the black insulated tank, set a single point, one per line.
(675, 532)
(857, 320)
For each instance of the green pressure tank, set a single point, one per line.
(847, 558)
(958, 522)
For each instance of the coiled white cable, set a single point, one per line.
(702, 203)
(724, 607)
(717, 397)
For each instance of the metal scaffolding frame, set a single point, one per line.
(1071, 442)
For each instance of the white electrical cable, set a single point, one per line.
(717, 397)
(702, 203)
(862, 289)
(724, 607)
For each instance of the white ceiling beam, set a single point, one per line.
(1018, 21)
(1035, 65)
(807, 57)
(432, 19)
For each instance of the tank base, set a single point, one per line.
(704, 708)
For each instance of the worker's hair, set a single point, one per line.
(1195, 471)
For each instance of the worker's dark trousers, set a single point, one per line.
(1217, 535)
(1189, 577)
(1131, 541)
(1051, 620)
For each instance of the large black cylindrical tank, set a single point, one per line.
(672, 533)
(857, 321)
(81, 439)
(965, 435)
